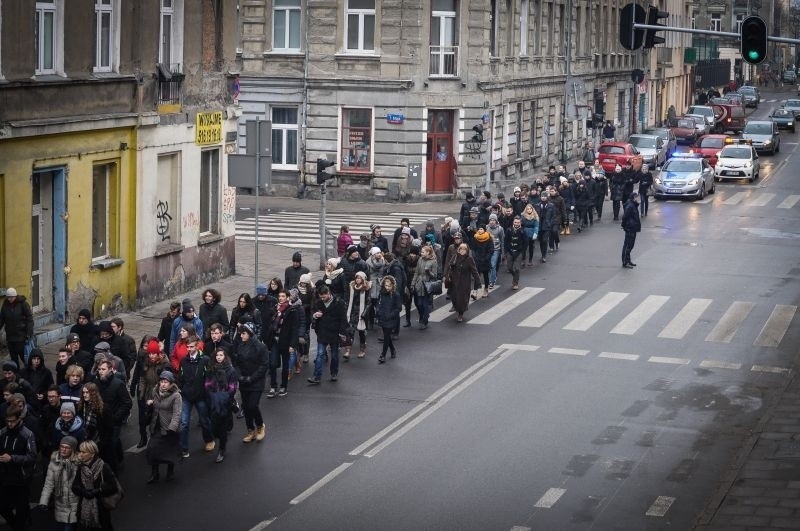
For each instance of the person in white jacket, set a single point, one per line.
(58, 484)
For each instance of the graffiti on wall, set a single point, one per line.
(164, 218)
(229, 204)
(190, 221)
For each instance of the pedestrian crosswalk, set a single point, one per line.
(663, 316)
(300, 230)
(751, 198)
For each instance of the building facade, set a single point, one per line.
(416, 98)
(94, 93)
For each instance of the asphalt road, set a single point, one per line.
(622, 408)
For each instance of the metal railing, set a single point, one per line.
(170, 80)
(444, 61)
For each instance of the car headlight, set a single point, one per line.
(694, 181)
(748, 164)
(791, 124)
(767, 142)
(658, 180)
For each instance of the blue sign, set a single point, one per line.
(395, 118)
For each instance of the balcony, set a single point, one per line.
(444, 61)
(168, 91)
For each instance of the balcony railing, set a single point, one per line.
(444, 61)
(170, 80)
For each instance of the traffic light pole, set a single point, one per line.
(258, 193)
(323, 231)
(709, 32)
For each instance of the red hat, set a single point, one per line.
(153, 347)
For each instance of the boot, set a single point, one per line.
(142, 441)
(382, 358)
(563, 231)
(362, 351)
(394, 353)
(170, 472)
(250, 436)
(154, 477)
(346, 354)
(566, 230)
(261, 432)
(485, 292)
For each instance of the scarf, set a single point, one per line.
(90, 475)
(362, 295)
(482, 238)
(277, 321)
(90, 423)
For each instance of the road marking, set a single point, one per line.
(736, 198)
(550, 498)
(433, 408)
(789, 202)
(727, 326)
(330, 476)
(761, 200)
(520, 528)
(670, 361)
(639, 316)
(431, 399)
(596, 311)
(776, 326)
(681, 323)
(767, 368)
(660, 506)
(261, 525)
(541, 316)
(569, 351)
(134, 450)
(505, 306)
(618, 356)
(711, 364)
(440, 314)
(512, 346)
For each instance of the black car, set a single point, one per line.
(784, 118)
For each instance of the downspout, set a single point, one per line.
(301, 189)
(564, 156)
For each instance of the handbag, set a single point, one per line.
(432, 287)
(111, 501)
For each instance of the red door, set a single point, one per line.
(440, 161)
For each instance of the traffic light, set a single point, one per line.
(653, 16)
(630, 38)
(754, 40)
(322, 175)
(637, 75)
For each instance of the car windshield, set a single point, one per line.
(682, 166)
(712, 143)
(782, 113)
(686, 124)
(736, 153)
(747, 90)
(700, 110)
(663, 133)
(792, 103)
(758, 129)
(643, 141)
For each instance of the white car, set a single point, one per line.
(700, 124)
(737, 161)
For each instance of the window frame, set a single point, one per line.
(111, 8)
(343, 135)
(286, 14)
(738, 18)
(175, 11)
(284, 130)
(361, 13)
(209, 217)
(524, 8)
(715, 22)
(55, 7)
(441, 17)
(110, 209)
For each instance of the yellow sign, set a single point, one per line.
(208, 127)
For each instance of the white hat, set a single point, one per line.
(361, 274)
(305, 278)
(333, 262)
(517, 189)
(11, 292)
(374, 251)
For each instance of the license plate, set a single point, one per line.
(609, 161)
(674, 191)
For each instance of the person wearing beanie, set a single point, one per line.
(58, 484)
(466, 207)
(39, 376)
(211, 311)
(352, 263)
(151, 362)
(187, 316)
(87, 330)
(498, 238)
(358, 312)
(378, 239)
(68, 423)
(222, 381)
(166, 404)
(11, 375)
(291, 276)
(405, 223)
(75, 354)
(17, 319)
(333, 277)
(252, 360)
(376, 269)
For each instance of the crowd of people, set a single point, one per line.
(66, 422)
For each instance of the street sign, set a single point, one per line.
(242, 171)
(264, 136)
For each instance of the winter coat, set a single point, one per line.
(601, 189)
(40, 379)
(17, 319)
(101, 485)
(146, 375)
(213, 313)
(583, 199)
(192, 377)
(358, 303)
(351, 267)
(288, 332)
(335, 281)
(516, 242)
(252, 362)
(179, 352)
(389, 306)
(617, 186)
(463, 216)
(90, 334)
(497, 236)
(343, 241)
(398, 273)
(518, 204)
(333, 321)
(116, 399)
(222, 381)
(482, 254)
(166, 411)
(461, 275)
(560, 214)
(630, 217)
(547, 217)
(20, 444)
(376, 269)
(631, 178)
(58, 484)
(425, 271)
(645, 183)
(58, 431)
(381, 243)
(253, 315)
(176, 327)
(530, 226)
(164, 331)
(291, 276)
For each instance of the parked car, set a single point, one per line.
(763, 134)
(751, 96)
(789, 77)
(685, 131)
(784, 118)
(613, 153)
(667, 135)
(728, 117)
(792, 105)
(708, 146)
(700, 123)
(736, 161)
(684, 175)
(705, 111)
(651, 147)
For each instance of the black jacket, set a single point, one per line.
(547, 216)
(463, 216)
(388, 310)
(192, 378)
(333, 321)
(116, 398)
(291, 276)
(515, 242)
(252, 362)
(17, 320)
(164, 332)
(351, 267)
(211, 314)
(630, 218)
(20, 444)
(288, 333)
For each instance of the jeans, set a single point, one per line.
(627, 246)
(186, 419)
(423, 304)
(278, 358)
(252, 413)
(645, 204)
(513, 267)
(388, 345)
(322, 354)
(495, 260)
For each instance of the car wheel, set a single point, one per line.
(713, 186)
(701, 193)
(778, 148)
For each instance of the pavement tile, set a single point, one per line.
(781, 493)
(758, 464)
(785, 523)
(794, 485)
(793, 503)
(768, 483)
(788, 429)
(756, 474)
(760, 501)
(746, 490)
(743, 509)
(774, 511)
(776, 436)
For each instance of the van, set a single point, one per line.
(728, 117)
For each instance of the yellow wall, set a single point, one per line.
(77, 152)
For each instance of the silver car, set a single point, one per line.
(684, 175)
(763, 134)
(700, 124)
(652, 148)
(666, 135)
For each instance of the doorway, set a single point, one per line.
(48, 242)
(439, 154)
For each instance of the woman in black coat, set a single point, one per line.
(459, 278)
(211, 311)
(388, 314)
(252, 362)
(482, 250)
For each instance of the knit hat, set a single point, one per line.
(67, 406)
(261, 289)
(167, 375)
(72, 337)
(416, 242)
(361, 274)
(448, 220)
(474, 209)
(105, 326)
(374, 251)
(352, 249)
(10, 365)
(458, 235)
(333, 262)
(374, 226)
(429, 223)
(187, 306)
(492, 217)
(297, 257)
(305, 278)
(102, 347)
(11, 292)
(85, 313)
(517, 189)
(406, 230)
(69, 440)
(294, 294)
(153, 347)
(247, 327)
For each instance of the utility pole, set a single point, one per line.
(323, 230)
(258, 193)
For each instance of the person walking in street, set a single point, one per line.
(482, 247)
(166, 406)
(388, 314)
(191, 382)
(252, 362)
(16, 317)
(333, 277)
(151, 363)
(425, 271)
(211, 311)
(498, 233)
(187, 316)
(291, 275)
(181, 349)
(631, 224)
(547, 217)
(18, 455)
(343, 240)
(38, 376)
(583, 201)
(164, 331)
(409, 261)
(645, 183)
(94, 480)
(617, 190)
(329, 320)
(376, 269)
(516, 241)
(222, 381)
(283, 339)
(58, 485)
(396, 269)
(461, 276)
(97, 420)
(117, 402)
(378, 240)
(529, 221)
(600, 191)
(246, 312)
(88, 331)
(305, 290)
(358, 309)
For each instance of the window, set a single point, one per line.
(105, 210)
(523, 28)
(356, 150)
(284, 138)
(360, 25)
(168, 216)
(693, 20)
(716, 22)
(621, 107)
(737, 23)
(444, 38)
(532, 127)
(494, 20)
(518, 126)
(170, 44)
(47, 37)
(104, 35)
(209, 191)
(286, 25)
(561, 45)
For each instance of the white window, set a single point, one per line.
(693, 20)
(444, 38)
(105, 34)
(523, 28)
(737, 22)
(360, 26)
(284, 138)
(105, 210)
(356, 145)
(48, 37)
(286, 25)
(716, 22)
(170, 44)
(209, 191)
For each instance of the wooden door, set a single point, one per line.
(439, 153)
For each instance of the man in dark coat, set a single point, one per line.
(291, 276)
(117, 400)
(329, 319)
(284, 331)
(191, 382)
(17, 460)
(466, 207)
(352, 263)
(378, 239)
(515, 243)
(17, 318)
(547, 218)
(631, 224)
(128, 351)
(617, 190)
(86, 329)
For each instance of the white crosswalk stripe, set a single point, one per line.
(640, 315)
(760, 200)
(730, 322)
(750, 199)
(541, 316)
(300, 230)
(681, 323)
(789, 202)
(505, 306)
(776, 326)
(736, 198)
(596, 311)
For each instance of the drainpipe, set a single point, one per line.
(566, 90)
